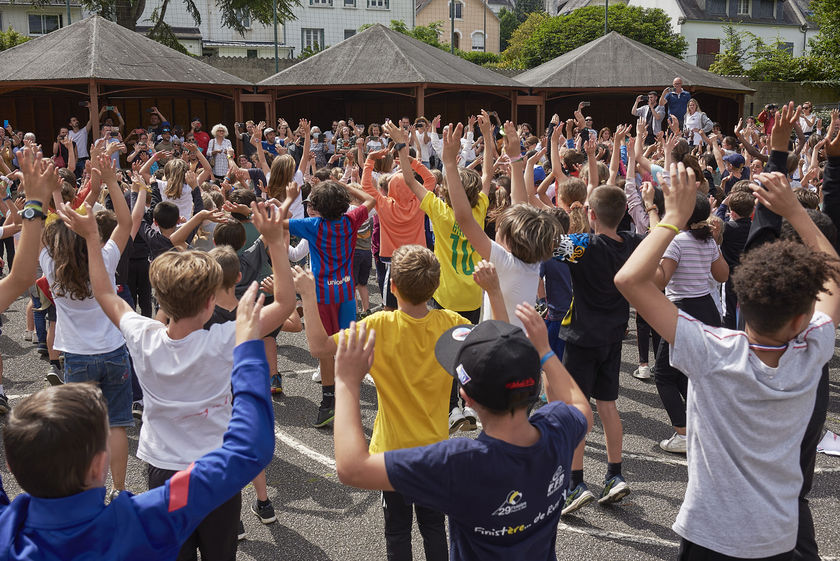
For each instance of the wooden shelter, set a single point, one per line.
(44, 81)
(382, 73)
(612, 70)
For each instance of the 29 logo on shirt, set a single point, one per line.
(513, 503)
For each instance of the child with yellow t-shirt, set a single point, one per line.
(411, 386)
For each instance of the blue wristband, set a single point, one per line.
(546, 356)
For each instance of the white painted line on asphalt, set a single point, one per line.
(19, 396)
(646, 458)
(302, 448)
(621, 536)
(833, 469)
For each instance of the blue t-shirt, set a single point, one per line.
(558, 288)
(678, 104)
(503, 501)
(539, 175)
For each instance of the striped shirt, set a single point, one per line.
(694, 261)
(331, 246)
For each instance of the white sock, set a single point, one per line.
(1, 390)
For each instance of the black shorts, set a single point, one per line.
(388, 298)
(362, 264)
(595, 369)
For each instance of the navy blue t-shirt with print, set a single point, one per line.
(503, 501)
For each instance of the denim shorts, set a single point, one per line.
(112, 373)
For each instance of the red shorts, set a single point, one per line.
(336, 317)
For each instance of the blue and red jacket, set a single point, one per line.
(154, 524)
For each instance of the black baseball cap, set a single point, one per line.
(493, 361)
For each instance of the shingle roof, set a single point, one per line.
(614, 61)
(693, 11)
(382, 56)
(97, 48)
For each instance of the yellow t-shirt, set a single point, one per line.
(457, 290)
(411, 386)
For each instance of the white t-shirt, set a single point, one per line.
(186, 389)
(80, 137)
(517, 279)
(745, 426)
(184, 202)
(296, 210)
(82, 327)
(694, 122)
(425, 147)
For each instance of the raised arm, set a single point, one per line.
(518, 193)
(486, 128)
(270, 224)
(399, 136)
(108, 171)
(529, 179)
(486, 277)
(458, 197)
(615, 158)
(306, 127)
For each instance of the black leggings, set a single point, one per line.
(670, 382)
(643, 336)
(690, 551)
(216, 536)
(398, 522)
(139, 285)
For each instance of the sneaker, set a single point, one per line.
(642, 373)
(240, 533)
(4, 404)
(27, 335)
(137, 410)
(456, 419)
(615, 489)
(326, 414)
(316, 376)
(264, 511)
(471, 418)
(276, 384)
(363, 315)
(43, 351)
(54, 376)
(112, 495)
(676, 444)
(578, 498)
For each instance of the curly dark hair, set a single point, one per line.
(330, 199)
(777, 281)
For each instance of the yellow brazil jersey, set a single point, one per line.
(457, 290)
(412, 388)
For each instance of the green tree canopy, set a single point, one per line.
(825, 47)
(507, 25)
(541, 37)
(730, 62)
(525, 8)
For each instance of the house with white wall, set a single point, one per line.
(702, 23)
(34, 21)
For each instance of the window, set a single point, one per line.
(744, 7)
(244, 18)
(349, 33)
(477, 41)
(251, 53)
(321, 3)
(39, 24)
(459, 10)
(382, 4)
(313, 38)
(456, 40)
(787, 47)
(349, 3)
(707, 50)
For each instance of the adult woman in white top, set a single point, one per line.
(806, 119)
(696, 121)
(684, 275)
(217, 151)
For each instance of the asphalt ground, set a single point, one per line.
(320, 519)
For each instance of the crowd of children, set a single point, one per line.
(581, 228)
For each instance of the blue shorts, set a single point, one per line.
(336, 317)
(112, 373)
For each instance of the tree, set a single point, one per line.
(507, 25)
(232, 12)
(730, 62)
(525, 8)
(825, 47)
(774, 62)
(11, 38)
(541, 37)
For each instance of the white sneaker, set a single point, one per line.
(470, 419)
(642, 373)
(27, 335)
(676, 444)
(316, 376)
(456, 419)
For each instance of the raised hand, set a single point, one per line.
(832, 145)
(248, 315)
(397, 134)
(512, 147)
(485, 276)
(774, 192)
(452, 141)
(785, 118)
(534, 326)
(680, 195)
(269, 225)
(354, 355)
(39, 182)
(304, 281)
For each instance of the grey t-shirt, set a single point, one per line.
(745, 426)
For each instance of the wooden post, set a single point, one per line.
(237, 116)
(421, 100)
(271, 109)
(93, 93)
(513, 102)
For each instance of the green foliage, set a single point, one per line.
(825, 47)
(307, 52)
(507, 25)
(11, 38)
(430, 34)
(525, 8)
(479, 57)
(541, 37)
(730, 62)
(774, 63)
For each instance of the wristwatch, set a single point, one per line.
(400, 146)
(33, 210)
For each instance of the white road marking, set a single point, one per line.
(646, 458)
(302, 448)
(635, 538)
